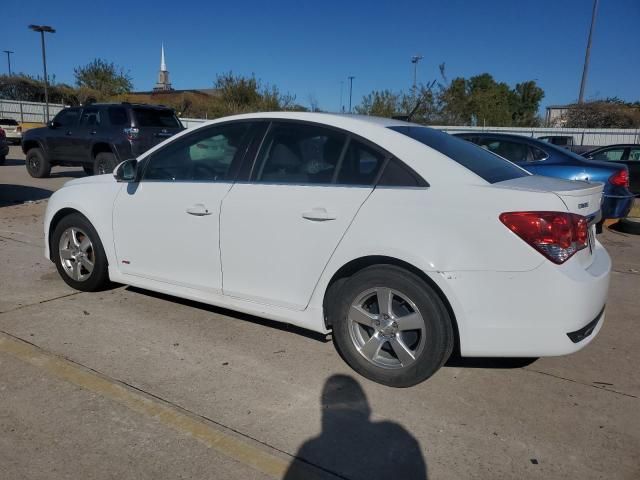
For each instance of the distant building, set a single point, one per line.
(556, 115)
(163, 84)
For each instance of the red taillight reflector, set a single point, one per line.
(18, 129)
(620, 178)
(557, 235)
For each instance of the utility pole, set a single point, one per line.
(341, 109)
(415, 59)
(8, 52)
(42, 29)
(350, 77)
(587, 55)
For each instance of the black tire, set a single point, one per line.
(98, 278)
(433, 344)
(88, 169)
(3, 159)
(37, 164)
(104, 163)
(629, 225)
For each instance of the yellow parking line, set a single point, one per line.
(167, 414)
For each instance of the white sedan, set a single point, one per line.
(405, 242)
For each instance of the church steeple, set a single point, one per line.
(163, 83)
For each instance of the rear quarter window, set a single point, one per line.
(486, 165)
(152, 117)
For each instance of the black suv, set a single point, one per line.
(97, 137)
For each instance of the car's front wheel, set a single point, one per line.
(37, 164)
(79, 255)
(391, 326)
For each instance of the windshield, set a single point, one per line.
(153, 117)
(483, 163)
(8, 121)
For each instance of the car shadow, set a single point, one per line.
(232, 313)
(9, 162)
(454, 361)
(68, 174)
(353, 446)
(16, 194)
(503, 363)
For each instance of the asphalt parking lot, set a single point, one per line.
(130, 384)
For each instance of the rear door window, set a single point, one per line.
(611, 155)
(483, 163)
(299, 154)
(634, 155)
(512, 151)
(118, 116)
(90, 117)
(155, 117)
(360, 165)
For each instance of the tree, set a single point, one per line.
(103, 77)
(383, 103)
(609, 113)
(238, 94)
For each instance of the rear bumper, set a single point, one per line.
(531, 314)
(616, 206)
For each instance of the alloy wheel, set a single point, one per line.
(77, 255)
(387, 328)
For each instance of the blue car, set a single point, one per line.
(542, 158)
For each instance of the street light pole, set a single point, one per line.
(350, 77)
(587, 55)
(341, 109)
(8, 52)
(42, 29)
(415, 59)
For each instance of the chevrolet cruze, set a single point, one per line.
(404, 242)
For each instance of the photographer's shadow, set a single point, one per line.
(352, 446)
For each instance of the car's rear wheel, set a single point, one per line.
(391, 326)
(104, 163)
(79, 255)
(2, 159)
(37, 164)
(88, 169)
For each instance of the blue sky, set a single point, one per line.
(306, 48)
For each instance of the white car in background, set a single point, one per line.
(12, 129)
(403, 241)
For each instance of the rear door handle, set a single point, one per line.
(199, 210)
(318, 215)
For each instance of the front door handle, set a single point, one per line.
(199, 210)
(318, 215)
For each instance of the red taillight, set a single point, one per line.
(620, 178)
(557, 235)
(18, 129)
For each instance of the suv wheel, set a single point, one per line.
(88, 169)
(37, 164)
(78, 254)
(2, 159)
(104, 163)
(391, 327)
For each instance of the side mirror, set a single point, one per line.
(126, 171)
